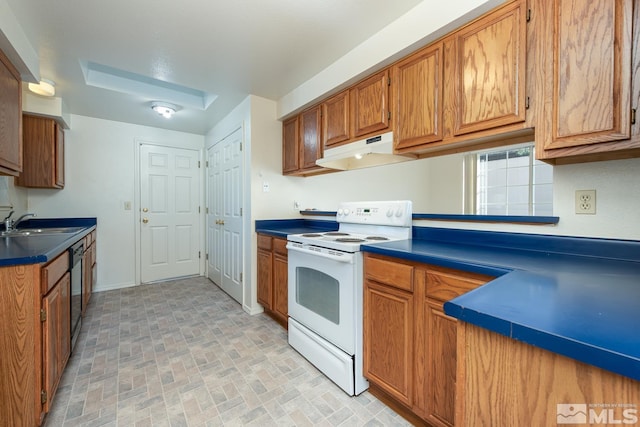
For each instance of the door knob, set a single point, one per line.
(145, 210)
(222, 222)
(145, 220)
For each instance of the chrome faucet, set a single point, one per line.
(22, 218)
(10, 225)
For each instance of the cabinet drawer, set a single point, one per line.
(264, 242)
(444, 285)
(280, 246)
(390, 273)
(53, 271)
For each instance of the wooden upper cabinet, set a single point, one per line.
(489, 69)
(418, 94)
(310, 134)
(589, 80)
(290, 141)
(335, 119)
(10, 118)
(43, 145)
(370, 104)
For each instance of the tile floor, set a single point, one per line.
(182, 353)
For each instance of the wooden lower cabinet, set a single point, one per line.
(272, 265)
(35, 335)
(506, 382)
(410, 344)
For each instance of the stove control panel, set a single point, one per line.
(396, 213)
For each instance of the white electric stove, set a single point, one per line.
(326, 287)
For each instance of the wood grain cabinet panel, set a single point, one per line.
(388, 340)
(273, 274)
(335, 120)
(410, 344)
(418, 95)
(370, 104)
(588, 77)
(43, 145)
(290, 142)
(311, 138)
(10, 118)
(489, 71)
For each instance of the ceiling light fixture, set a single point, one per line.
(44, 88)
(165, 109)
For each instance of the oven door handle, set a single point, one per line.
(346, 258)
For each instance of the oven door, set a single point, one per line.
(322, 293)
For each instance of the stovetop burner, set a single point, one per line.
(349, 240)
(376, 238)
(336, 233)
(311, 235)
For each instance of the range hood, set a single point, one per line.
(365, 153)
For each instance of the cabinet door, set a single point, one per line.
(280, 286)
(369, 104)
(65, 321)
(440, 361)
(489, 74)
(290, 141)
(335, 119)
(59, 164)
(265, 277)
(418, 91)
(41, 169)
(11, 114)
(388, 340)
(311, 142)
(590, 86)
(51, 304)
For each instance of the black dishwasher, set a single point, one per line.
(75, 254)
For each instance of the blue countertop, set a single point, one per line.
(19, 250)
(579, 297)
(283, 227)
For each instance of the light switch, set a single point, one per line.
(265, 187)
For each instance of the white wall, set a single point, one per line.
(100, 174)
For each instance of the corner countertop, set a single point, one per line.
(579, 297)
(581, 305)
(20, 250)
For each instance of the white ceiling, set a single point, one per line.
(226, 48)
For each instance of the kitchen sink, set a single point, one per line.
(41, 231)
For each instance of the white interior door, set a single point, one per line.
(224, 219)
(169, 229)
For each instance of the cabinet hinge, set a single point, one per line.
(43, 397)
(388, 81)
(388, 115)
(526, 103)
(633, 116)
(43, 315)
(528, 15)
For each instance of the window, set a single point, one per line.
(509, 182)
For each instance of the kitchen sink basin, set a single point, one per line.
(41, 231)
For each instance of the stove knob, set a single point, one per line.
(390, 212)
(340, 212)
(346, 212)
(399, 212)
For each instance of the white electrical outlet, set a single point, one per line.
(265, 187)
(586, 202)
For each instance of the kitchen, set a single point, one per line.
(97, 148)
